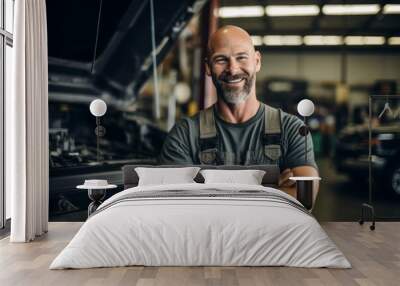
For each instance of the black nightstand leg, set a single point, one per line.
(97, 196)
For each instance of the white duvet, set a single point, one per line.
(200, 231)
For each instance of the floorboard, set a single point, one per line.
(374, 255)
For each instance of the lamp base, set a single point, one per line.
(305, 193)
(304, 187)
(96, 196)
(100, 131)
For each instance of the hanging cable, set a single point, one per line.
(97, 36)
(156, 95)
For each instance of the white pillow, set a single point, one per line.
(163, 176)
(249, 177)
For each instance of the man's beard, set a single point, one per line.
(233, 95)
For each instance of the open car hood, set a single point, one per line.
(123, 61)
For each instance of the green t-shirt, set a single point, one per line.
(238, 143)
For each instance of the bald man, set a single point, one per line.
(238, 129)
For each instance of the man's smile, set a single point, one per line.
(233, 81)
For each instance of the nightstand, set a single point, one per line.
(96, 192)
(304, 186)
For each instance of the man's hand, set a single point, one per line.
(284, 178)
(289, 186)
(286, 185)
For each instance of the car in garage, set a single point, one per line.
(351, 156)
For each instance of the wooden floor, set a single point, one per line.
(375, 256)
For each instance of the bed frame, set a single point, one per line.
(270, 179)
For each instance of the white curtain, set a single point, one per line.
(27, 124)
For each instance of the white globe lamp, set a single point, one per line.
(304, 185)
(305, 108)
(98, 108)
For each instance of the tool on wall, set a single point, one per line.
(386, 108)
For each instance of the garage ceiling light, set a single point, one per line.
(257, 40)
(291, 10)
(283, 40)
(314, 40)
(241, 11)
(354, 40)
(391, 9)
(362, 40)
(361, 9)
(394, 41)
(374, 40)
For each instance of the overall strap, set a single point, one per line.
(272, 133)
(208, 137)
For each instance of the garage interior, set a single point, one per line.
(337, 53)
(331, 52)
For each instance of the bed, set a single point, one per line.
(201, 224)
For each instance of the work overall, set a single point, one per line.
(209, 144)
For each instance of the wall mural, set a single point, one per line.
(152, 115)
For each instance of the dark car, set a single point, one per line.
(352, 155)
